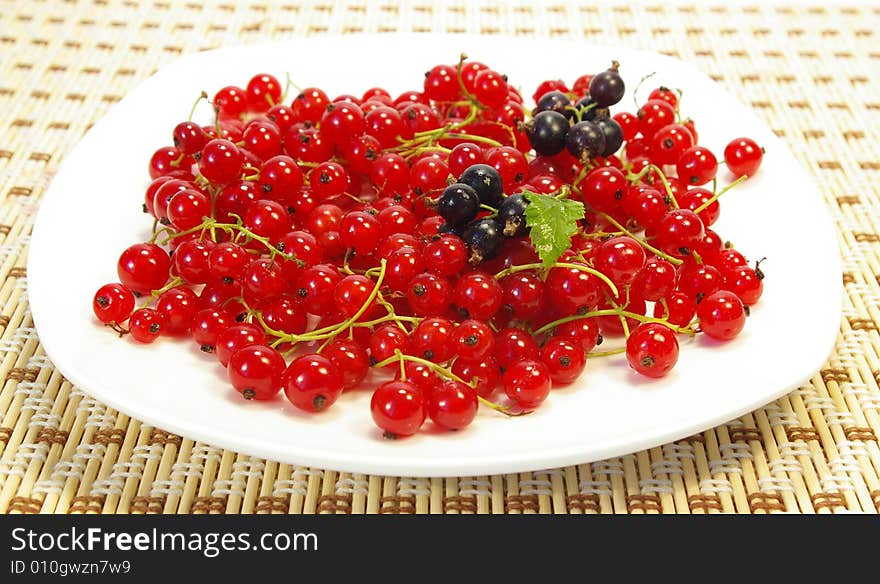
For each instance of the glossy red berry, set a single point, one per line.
(263, 91)
(262, 280)
(309, 105)
(441, 83)
(191, 261)
(398, 408)
(145, 325)
(341, 120)
(513, 345)
(565, 359)
(669, 143)
(432, 339)
(221, 161)
(721, 315)
(620, 258)
(473, 340)
(285, 314)
(351, 359)
(446, 255)
(351, 293)
(360, 231)
(486, 372)
(656, 279)
(177, 307)
(523, 295)
(490, 88)
(429, 294)
(113, 303)
(696, 166)
(745, 282)
(385, 340)
(743, 156)
(527, 383)
(231, 101)
(256, 371)
(679, 309)
(143, 267)
(237, 337)
(678, 232)
(653, 115)
(206, 326)
(477, 295)
(315, 288)
(312, 382)
(652, 349)
(583, 332)
(571, 290)
(452, 405)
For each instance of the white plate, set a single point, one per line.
(92, 211)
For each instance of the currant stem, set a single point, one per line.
(719, 193)
(444, 372)
(608, 353)
(175, 281)
(612, 312)
(475, 138)
(193, 110)
(535, 266)
(641, 241)
(472, 99)
(439, 369)
(653, 167)
(372, 296)
(399, 354)
(209, 223)
(564, 192)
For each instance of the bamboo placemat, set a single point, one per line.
(807, 71)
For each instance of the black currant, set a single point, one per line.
(554, 101)
(483, 239)
(546, 132)
(607, 87)
(613, 135)
(486, 182)
(587, 109)
(585, 140)
(458, 204)
(512, 215)
(447, 228)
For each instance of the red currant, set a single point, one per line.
(452, 405)
(351, 360)
(477, 295)
(722, 315)
(256, 371)
(143, 267)
(527, 383)
(652, 349)
(236, 337)
(743, 156)
(398, 408)
(565, 360)
(145, 325)
(113, 303)
(312, 382)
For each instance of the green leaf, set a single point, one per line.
(551, 224)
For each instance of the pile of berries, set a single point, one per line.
(449, 237)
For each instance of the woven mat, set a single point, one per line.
(806, 71)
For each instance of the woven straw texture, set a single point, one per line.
(807, 71)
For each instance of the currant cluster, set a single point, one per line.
(448, 237)
(584, 127)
